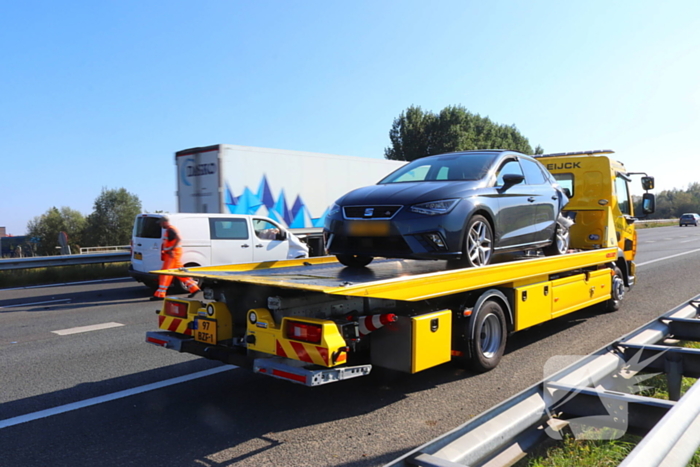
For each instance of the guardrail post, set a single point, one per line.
(673, 367)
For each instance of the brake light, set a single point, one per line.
(304, 332)
(177, 309)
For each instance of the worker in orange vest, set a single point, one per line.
(171, 254)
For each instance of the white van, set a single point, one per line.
(211, 239)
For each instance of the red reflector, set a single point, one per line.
(304, 332)
(153, 340)
(176, 309)
(287, 375)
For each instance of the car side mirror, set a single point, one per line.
(281, 235)
(648, 203)
(648, 183)
(512, 179)
(567, 192)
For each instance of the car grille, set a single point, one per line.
(370, 212)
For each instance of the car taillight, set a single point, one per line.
(176, 309)
(304, 332)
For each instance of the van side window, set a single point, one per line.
(228, 229)
(265, 230)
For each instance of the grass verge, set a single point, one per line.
(61, 274)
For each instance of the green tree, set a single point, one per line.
(417, 133)
(112, 219)
(47, 227)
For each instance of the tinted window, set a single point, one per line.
(147, 227)
(444, 168)
(533, 173)
(510, 167)
(228, 229)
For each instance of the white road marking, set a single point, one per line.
(667, 257)
(688, 241)
(94, 327)
(38, 303)
(110, 397)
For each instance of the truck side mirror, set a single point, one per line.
(648, 203)
(648, 183)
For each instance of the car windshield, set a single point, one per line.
(449, 167)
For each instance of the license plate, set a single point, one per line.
(368, 228)
(205, 331)
(138, 255)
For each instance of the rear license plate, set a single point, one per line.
(138, 255)
(205, 331)
(368, 228)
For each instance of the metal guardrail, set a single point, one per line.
(580, 395)
(104, 249)
(64, 260)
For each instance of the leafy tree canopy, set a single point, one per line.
(417, 133)
(112, 218)
(46, 228)
(671, 204)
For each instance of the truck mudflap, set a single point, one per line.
(277, 368)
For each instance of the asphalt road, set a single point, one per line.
(102, 396)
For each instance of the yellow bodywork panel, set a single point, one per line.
(325, 275)
(432, 340)
(267, 337)
(577, 292)
(211, 323)
(533, 305)
(177, 315)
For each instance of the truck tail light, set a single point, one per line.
(176, 309)
(305, 332)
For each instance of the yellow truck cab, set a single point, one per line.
(600, 197)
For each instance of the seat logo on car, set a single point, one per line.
(369, 212)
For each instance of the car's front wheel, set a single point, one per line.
(478, 242)
(354, 261)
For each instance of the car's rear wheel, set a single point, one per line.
(478, 242)
(354, 261)
(560, 243)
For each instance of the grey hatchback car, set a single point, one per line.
(464, 206)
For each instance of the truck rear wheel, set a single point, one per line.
(486, 337)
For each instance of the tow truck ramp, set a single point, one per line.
(589, 393)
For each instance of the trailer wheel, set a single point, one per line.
(354, 261)
(486, 338)
(617, 292)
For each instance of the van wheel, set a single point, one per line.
(180, 287)
(354, 261)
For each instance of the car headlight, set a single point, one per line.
(335, 209)
(434, 208)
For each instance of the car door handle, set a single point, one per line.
(531, 199)
(245, 245)
(258, 245)
(555, 197)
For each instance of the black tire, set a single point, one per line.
(354, 261)
(486, 336)
(617, 292)
(478, 242)
(560, 242)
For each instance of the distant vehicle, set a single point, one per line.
(211, 239)
(689, 219)
(464, 206)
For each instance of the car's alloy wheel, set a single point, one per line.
(560, 244)
(479, 242)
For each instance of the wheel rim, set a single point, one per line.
(562, 239)
(490, 335)
(618, 288)
(479, 243)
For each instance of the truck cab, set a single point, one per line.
(600, 196)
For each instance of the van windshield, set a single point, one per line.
(147, 227)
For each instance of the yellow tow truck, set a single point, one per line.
(313, 321)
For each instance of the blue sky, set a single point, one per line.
(101, 94)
